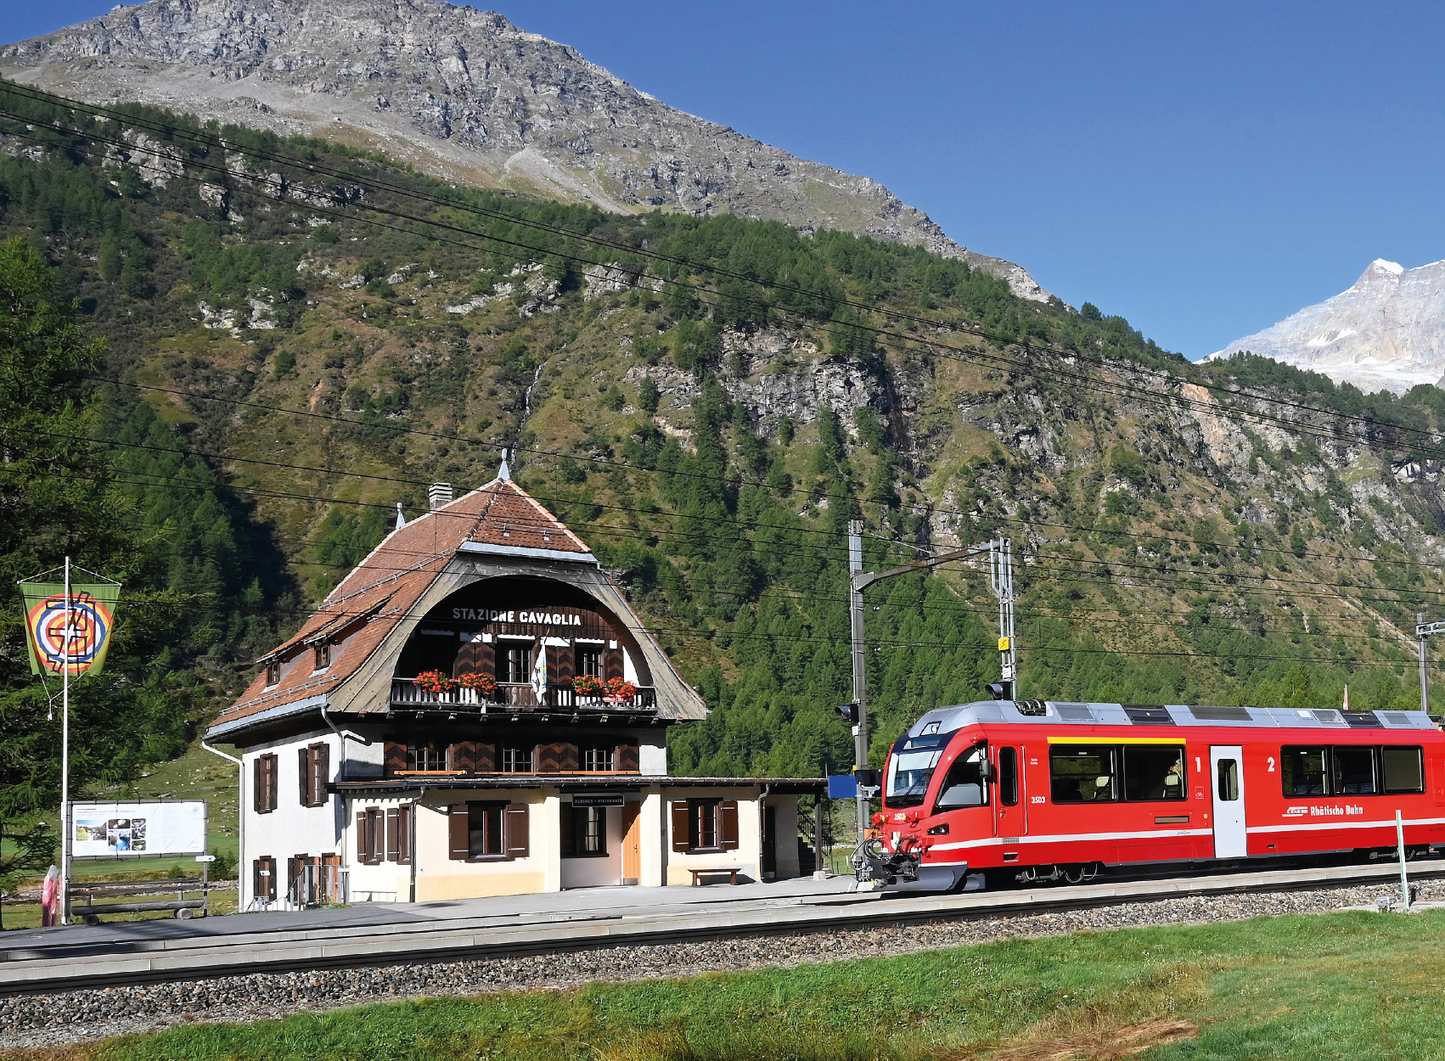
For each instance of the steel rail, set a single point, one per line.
(61, 967)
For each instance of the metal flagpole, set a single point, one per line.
(65, 758)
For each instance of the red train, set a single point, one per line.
(1032, 790)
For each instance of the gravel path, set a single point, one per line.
(81, 1016)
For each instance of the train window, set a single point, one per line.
(1404, 770)
(911, 766)
(1302, 771)
(1354, 773)
(1008, 776)
(1154, 772)
(963, 784)
(1228, 780)
(1082, 773)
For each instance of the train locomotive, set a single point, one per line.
(1037, 791)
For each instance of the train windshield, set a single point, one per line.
(911, 766)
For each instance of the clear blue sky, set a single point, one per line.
(1203, 169)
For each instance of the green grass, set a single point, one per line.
(1357, 985)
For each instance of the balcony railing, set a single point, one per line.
(512, 696)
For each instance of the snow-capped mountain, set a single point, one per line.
(1385, 332)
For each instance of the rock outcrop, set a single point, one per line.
(465, 94)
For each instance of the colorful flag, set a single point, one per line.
(539, 671)
(81, 649)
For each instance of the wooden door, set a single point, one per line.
(631, 843)
(332, 891)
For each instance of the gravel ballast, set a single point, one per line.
(28, 1021)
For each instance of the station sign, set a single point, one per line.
(598, 799)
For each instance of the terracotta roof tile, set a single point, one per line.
(380, 592)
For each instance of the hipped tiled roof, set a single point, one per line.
(384, 588)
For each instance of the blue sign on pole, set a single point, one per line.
(842, 786)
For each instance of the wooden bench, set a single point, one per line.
(715, 871)
(84, 907)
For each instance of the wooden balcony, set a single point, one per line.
(517, 696)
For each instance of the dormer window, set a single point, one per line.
(273, 672)
(321, 655)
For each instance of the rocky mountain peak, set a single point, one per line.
(464, 94)
(1380, 271)
(1387, 331)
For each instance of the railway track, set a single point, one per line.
(48, 964)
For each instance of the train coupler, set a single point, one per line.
(875, 867)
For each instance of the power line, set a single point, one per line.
(511, 218)
(1070, 355)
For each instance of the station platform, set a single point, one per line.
(37, 961)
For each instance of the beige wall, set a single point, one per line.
(544, 869)
(747, 857)
(438, 877)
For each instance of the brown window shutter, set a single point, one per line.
(303, 769)
(459, 824)
(257, 787)
(567, 757)
(484, 757)
(395, 757)
(376, 822)
(516, 830)
(680, 841)
(487, 659)
(569, 837)
(258, 882)
(548, 758)
(466, 661)
(727, 825)
(266, 783)
(561, 662)
(323, 774)
(363, 839)
(393, 834)
(626, 761)
(460, 756)
(403, 834)
(611, 663)
(273, 782)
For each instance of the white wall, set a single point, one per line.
(785, 839)
(652, 755)
(291, 829)
(384, 883)
(597, 870)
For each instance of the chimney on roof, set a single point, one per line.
(400, 519)
(506, 472)
(439, 494)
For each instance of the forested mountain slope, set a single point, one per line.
(300, 336)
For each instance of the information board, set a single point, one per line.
(138, 827)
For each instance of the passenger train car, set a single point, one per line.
(1032, 790)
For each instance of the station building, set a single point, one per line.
(496, 773)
